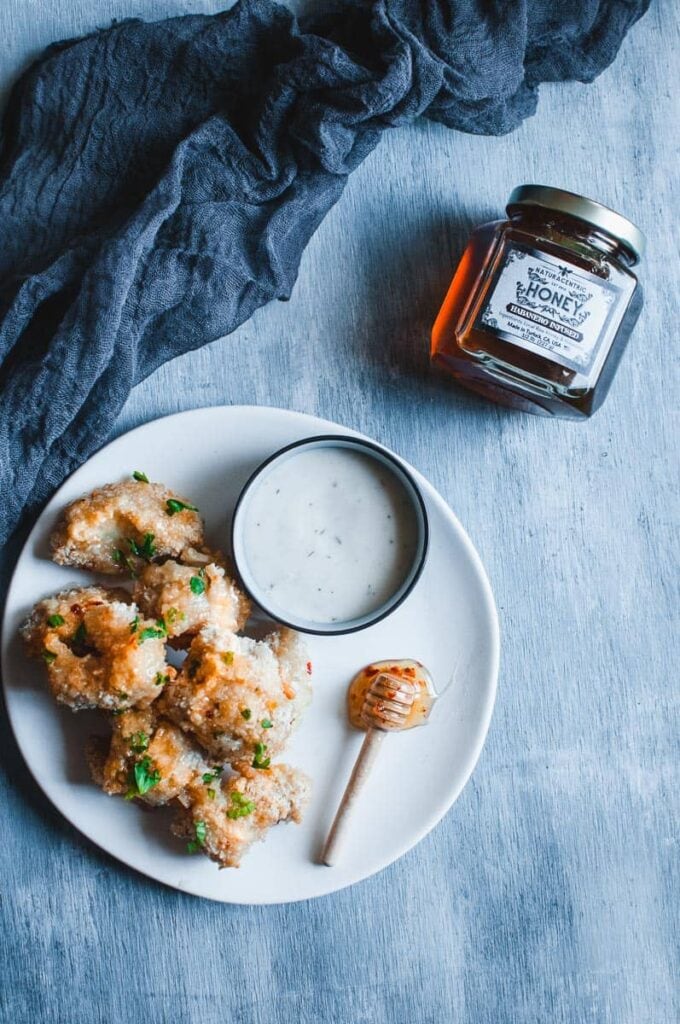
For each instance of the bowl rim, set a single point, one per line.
(405, 477)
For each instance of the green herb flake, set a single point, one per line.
(209, 777)
(228, 657)
(161, 679)
(211, 793)
(200, 832)
(197, 585)
(142, 478)
(241, 807)
(247, 714)
(174, 505)
(259, 760)
(80, 635)
(157, 632)
(134, 624)
(49, 657)
(79, 642)
(267, 724)
(118, 557)
(143, 778)
(139, 742)
(55, 620)
(174, 615)
(146, 550)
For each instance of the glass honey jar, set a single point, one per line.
(542, 304)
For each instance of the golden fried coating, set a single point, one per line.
(98, 652)
(189, 597)
(241, 698)
(120, 527)
(148, 758)
(224, 822)
(202, 737)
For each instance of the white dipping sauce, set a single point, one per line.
(330, 535)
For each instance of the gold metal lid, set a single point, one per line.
(585, 209)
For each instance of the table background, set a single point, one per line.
(550, 892)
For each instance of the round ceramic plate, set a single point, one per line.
(448, 622)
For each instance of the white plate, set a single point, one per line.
(449, 622)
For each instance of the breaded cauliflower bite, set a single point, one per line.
(97, 650)
(224, 822)
(189, 597)
(120, 527)
(202, 737)
(148, 758)
(241, 698)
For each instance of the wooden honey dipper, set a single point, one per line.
(384, 697)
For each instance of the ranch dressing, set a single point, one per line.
(330, 535)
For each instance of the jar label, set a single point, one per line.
(549, 307)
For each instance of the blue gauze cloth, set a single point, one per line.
(159, 182)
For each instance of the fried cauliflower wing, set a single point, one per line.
(148, 758)
(120, 527)
(202, 737)
(240, 698)
(189, 597)
(97, 650)
(226, 821)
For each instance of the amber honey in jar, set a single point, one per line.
(542, 304)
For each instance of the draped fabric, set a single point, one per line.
(159, 182)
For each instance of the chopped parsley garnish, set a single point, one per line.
(209, 777)
(143, 778)
(49, 657)
(173, 505)
(139, 741)
(134, 624)
(55, 620)
(157, 632)
(211, 793)
(259, 760)
(147, 549)
(118, 557)
(161, 679)
(266, 723)
(197, 585)
(246, 713)
(228, 657)
(173, 615)
(200, 832)
(79, 642)
(241, 807)
(141, 477)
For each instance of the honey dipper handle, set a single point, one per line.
(339, 829)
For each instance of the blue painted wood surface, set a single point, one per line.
(550, 892)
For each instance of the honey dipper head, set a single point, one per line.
(391, 695)
(388, 703)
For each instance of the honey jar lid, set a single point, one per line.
(627, 233)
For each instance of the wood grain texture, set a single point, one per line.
(550, 891)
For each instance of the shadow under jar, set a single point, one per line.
(542, 304)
